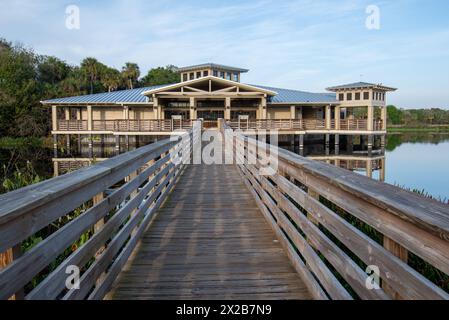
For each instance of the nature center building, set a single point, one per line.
(97, 126)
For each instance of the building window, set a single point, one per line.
(383, 96)
(184, 77)
(366, 95)
(222, 74)
(341, 97)
(198, 74)
(215, 73)
(192, 75)
(235, 77)
(357, 96)
(349, 96)
(228, 76)
(205, 73)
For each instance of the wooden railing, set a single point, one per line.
(166, 125)
(101, 211)
(72, 125)
(334, 223)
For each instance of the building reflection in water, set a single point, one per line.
(347, 151)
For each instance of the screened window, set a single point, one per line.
(349, 96)
(215, 73)
(184, 77)
(366, 95)
(341, 97)
(192, 75)
(228, 76)
(205, 73)
(198, 74)
(235, 77)
(357, 96)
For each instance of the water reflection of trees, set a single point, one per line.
(394, 140)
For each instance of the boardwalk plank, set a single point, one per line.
(209, 241)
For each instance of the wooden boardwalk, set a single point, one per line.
(209, 241)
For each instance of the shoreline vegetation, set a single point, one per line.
(440, 128)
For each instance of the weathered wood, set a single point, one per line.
(211, 232)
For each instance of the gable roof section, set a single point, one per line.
(216, 79)
(365, 85)
(137, 96)
(114, 97)
(211, 66)
(296, 96)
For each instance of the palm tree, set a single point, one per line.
(111, 79)
(91, 68)
(131, 73)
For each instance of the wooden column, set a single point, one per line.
(54, 118)
(383, 116)
(327, 142)
(337, 117)
(192, 107)
(292, 112)
(67, 113)
(89, 118)
(55, 146)
(382, 170)
(369, 168)
(370, 118)
(227, 113)
(301, 145)
(263, 108)
(370, 144)
(91, 147)
(337, 144)
(327, 117)
(155, 107)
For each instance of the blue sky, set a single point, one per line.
(304, 44)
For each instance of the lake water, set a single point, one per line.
(419, 161)
(412, 160)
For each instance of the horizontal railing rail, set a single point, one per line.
(334, 224)
(145, 125)
(101, 212)
(72, 125)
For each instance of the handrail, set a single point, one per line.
(118, 197)
(326, 215)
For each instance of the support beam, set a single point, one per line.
(370, 144)
(292, 112)
(91, 150)
(327, 117)
(155, 107)
(370, 118)
(54, 118)
(227, 113)
(89, 118)
(192, 105)
(337, 117)
(327, 143)
(337, 144)
(301, 145)
(383, 116)
(117, 145)
(263, 108)
(67, 113)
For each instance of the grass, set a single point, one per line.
(444, 128)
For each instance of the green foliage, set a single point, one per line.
(20, 178)
(417, 117)
(27, 78)
(158, 76)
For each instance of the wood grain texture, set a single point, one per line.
(209, 241)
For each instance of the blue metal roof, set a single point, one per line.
(136, 96)
(120, 96)
(292, 96)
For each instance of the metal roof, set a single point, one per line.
(136, 96)
(119, 96)
(211, 66)
(296, 96)
(356, 85)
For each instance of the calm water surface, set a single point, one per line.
(412, 160)
(419, 161)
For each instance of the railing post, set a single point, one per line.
(399, 251)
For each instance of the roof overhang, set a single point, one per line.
(361, 87)
(222, 81)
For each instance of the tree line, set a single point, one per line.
(26, 78)
(417, 117)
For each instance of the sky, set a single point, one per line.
(304, 44)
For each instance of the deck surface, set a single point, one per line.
(209, 241)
